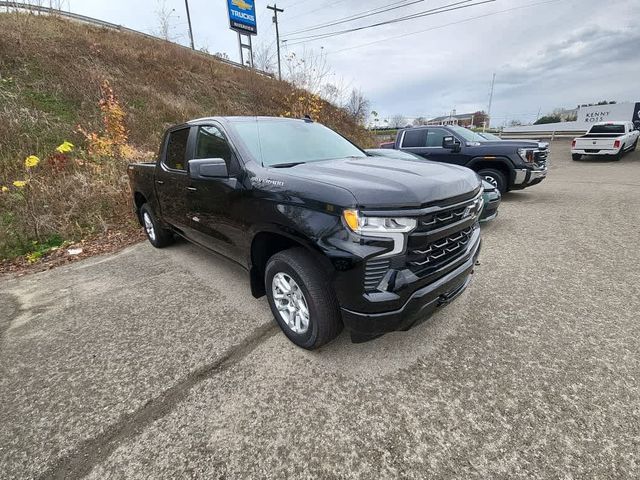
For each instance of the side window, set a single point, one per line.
(211, 143)
(177, 149)
(435, 137)
(414, 138)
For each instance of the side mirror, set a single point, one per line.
(208, 168)
(451, 143)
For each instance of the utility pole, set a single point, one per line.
(275, 20)
(493, 82)
(186, 4)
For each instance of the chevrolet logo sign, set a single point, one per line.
(241, 4)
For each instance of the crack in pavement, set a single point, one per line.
(93, 451)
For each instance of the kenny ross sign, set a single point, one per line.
(242, 16)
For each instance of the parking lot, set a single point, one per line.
(159, 363)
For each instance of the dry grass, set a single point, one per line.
(50, 75)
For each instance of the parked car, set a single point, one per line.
(332, 236)
(491, 195)
(508, 165)
(495, 138)
(606, 138)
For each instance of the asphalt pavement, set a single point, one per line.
(159, 363)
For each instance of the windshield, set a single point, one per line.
(467, 134)
(277, 141)
(491, 137)
(607, 129)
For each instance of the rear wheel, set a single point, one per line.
(635, 144)
(158, 236)
(301, 299)
(495, 178)
(620, 154)
(576, 156)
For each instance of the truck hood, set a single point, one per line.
(515, 144)
(381, 182)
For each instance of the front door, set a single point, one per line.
(213, 201)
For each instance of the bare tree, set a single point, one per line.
(307, 70)
(265, 58)
(398, 121)
(165, 17)
(358, 106)
(419, 121)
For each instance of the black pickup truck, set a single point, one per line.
(332, 236)
(507, 165)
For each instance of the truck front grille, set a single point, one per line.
(374, 272)
(437, 220)
(441, 251)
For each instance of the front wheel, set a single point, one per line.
(158, 236)
(301, 299)
(576, 156)
(495, 178)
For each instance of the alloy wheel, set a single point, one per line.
(290, 302)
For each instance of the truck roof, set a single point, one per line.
(616, 122)
(240, 118)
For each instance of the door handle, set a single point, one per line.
(192, 189)
(159, 182)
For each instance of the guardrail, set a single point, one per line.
(101, 23)
(549, 134)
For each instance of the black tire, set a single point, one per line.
(618, 156)
(576, 156)
(634, 146)
(159, 236)
(325, 321)
(495, 178)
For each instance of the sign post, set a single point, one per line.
(242, 19)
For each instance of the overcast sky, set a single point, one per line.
(545, 54)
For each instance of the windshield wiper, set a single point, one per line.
(287, 165)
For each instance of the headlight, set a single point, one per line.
(526, 155)
(395, 228)
(372, 225)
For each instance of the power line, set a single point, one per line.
(434, 11)
(357, 16)
(440, 26)
(317, 9)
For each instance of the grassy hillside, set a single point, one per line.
(51, 71)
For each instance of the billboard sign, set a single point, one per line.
(636, 116)
(242, 16)
(606, 113)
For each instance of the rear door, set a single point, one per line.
(172, 180)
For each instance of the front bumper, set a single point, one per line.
(419, 306)
(525, 177)
(490, 209)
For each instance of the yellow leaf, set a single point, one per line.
(65, 147)
(31, 161)
(19, 183)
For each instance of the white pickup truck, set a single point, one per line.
(606, 138)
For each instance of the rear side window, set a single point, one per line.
(177, 149)
(435, 137)
(607, 129)
(414, 138)
(211, 143)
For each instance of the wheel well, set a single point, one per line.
(139, 200)
(501, 167)
(263, 247)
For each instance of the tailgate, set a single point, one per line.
(594, 143)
